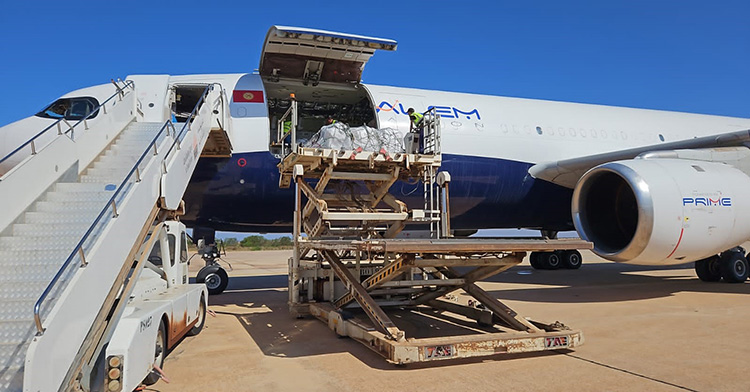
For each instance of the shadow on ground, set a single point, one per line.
(259, 303)
(606, 282)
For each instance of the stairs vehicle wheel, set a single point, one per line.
(201, 318)
(160, 351)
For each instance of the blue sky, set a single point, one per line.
(691, 56)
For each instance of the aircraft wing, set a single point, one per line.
(567, 172)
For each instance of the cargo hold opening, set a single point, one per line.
(347, 103)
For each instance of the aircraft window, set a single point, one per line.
(71, 108)
(661, 137)
(539, 130)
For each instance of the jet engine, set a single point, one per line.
(662, 211)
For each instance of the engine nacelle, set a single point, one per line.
(662, 211)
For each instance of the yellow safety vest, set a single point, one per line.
(417, 118)
(287, 127)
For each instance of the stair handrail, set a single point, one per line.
(120, 92)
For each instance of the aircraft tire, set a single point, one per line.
(734, 267)
(549, 260)
(534, 260)
(709, 269)
(214, 277)
(571, 259)
(160, 351)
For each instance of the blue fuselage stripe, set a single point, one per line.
(241, 193)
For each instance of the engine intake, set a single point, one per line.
(662, 211)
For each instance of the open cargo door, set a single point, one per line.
(315, 56)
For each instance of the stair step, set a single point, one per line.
(12, 257)
(17, 310)
(41, 274)
(41, 243)
(65, 205)
(53, 217)
(31, 268)
(31, 288)
(79, 196)
(11, 378)
(43, 229)
(77, 187)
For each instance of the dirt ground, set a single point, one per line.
(655, 329)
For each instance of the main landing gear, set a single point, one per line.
(567, 259)
(732, 266)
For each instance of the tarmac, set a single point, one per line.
(646, 328)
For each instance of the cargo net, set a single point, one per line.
(339, 136)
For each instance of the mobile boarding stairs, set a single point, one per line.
(351, 271)
(76, 211)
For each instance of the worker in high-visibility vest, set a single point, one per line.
(416, 125)
(330, 121)
(287, 127)
(416, 118)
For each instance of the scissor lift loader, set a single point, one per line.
(348, 262)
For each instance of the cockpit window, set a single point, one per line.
(71, 108)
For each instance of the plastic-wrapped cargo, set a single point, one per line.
(340, 136)
(336, 136)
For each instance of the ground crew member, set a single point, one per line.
(287, 127)
(417, 126)
(416, 119)
(330, 121)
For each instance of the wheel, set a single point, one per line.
(709, 270)
(534, 260)
(215, 278)
(160, 351)
(571, 259)
(201, 318)
(734, 268)
(549, 260)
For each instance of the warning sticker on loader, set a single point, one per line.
(435, 352)
(556, 342)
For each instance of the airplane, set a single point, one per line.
(645, 186)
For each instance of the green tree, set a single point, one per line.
(253, 241)
(231, 242)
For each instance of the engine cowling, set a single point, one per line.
(662, 211)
